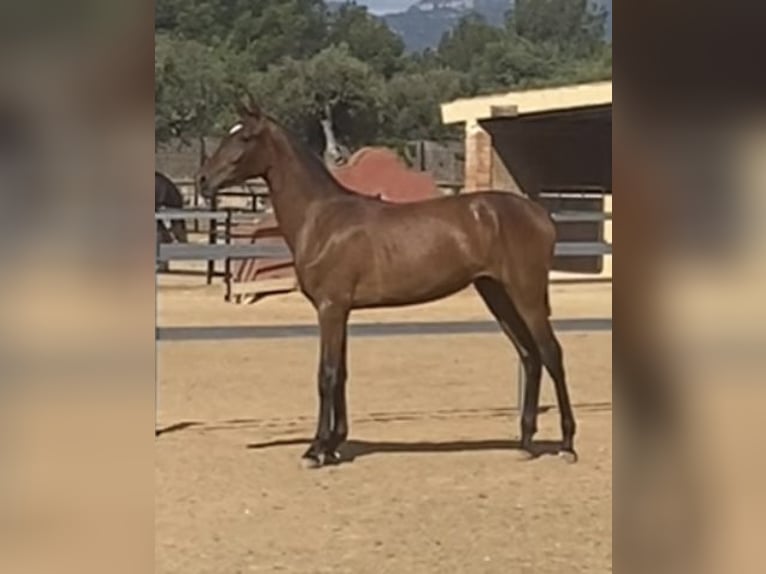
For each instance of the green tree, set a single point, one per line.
(304, 62)
(270, 30)
(573, 27)
(513, 63)
(469, 39)
(191, 89)
(301, 92)
(206, 21)
(262, 32)
(413, 104)
(368, 39)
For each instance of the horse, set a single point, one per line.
(167, 194)
(355, 252)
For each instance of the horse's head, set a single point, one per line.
(242, 154)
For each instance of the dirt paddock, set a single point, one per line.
(434, 486)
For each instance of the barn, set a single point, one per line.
(554, 145)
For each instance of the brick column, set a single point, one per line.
(478, 158)
(607, 269)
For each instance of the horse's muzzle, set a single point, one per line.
(204, 187)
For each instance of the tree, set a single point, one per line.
(466, 41)
(413, 104)
(368, 38)
(270, 30)
(262, 31)
(573, 27)
(545, 42)
(513, 63)
(305, 63)
(191, 89)
(301, 92)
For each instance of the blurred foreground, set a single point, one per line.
(77, 312)
(77, 289)
(690, 341)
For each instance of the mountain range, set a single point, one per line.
(424, 23)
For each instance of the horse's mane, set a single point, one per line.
(309, 157)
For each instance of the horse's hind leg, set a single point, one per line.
(178, 227)
(552, 356)
(163, 236)
(503, 309)
(535, 312)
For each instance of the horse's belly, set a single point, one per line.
(409, 281)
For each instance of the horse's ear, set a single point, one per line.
(255, 109)
(242, 110)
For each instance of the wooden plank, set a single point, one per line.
(504, 111)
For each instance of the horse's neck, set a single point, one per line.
(295, 184)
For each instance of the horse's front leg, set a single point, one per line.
(332, 333)
(340, 414)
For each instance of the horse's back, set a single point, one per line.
(489, 213)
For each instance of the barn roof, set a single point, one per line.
(515, 104)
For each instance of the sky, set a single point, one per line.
(383, 6)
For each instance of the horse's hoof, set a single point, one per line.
(311, 461)
(568, 456)
(332, 457)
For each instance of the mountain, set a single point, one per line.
(423, 24)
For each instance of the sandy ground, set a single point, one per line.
(434, 486)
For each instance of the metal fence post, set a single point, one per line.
(227, 261)
(212, 238)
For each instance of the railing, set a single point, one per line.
(214, 251)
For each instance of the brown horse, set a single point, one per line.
(355, 252)
(167, 194)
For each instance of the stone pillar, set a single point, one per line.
(478, 158)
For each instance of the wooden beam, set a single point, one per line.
(508, 111)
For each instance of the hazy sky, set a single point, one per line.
(382, 6)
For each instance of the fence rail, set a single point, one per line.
(221, 229)
(580, 217)
(582, 249)
(204, 215)
(218, 252)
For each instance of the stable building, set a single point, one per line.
(553, 145)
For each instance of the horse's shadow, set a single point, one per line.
(353, 449)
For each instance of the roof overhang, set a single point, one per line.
(516, 104)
